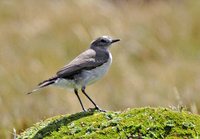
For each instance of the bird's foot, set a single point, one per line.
(99, 109)
(95, 109)
(84, 110)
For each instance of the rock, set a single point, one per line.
(132, 123)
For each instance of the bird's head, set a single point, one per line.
(103, 42)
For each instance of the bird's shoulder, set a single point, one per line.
(89, 54)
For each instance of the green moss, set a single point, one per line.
(132, 123)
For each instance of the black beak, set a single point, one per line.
(115, 40)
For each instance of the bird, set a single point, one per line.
(87, 68)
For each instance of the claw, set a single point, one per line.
(99, 109)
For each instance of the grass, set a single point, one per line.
(132, 123)
(155, 64)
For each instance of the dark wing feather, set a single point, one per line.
(86, 60)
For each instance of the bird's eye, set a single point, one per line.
(104, 41)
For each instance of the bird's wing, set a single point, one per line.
(86, 60)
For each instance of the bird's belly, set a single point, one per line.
(91, 76)
(66, 83)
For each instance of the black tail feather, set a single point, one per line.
(53, 79)
(44, 84)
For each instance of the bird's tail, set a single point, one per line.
(44, 84)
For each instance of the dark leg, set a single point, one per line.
(76, 92)
(95, 105)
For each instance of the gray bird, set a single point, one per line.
(85, 69)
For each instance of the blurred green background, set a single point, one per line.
(155, 64)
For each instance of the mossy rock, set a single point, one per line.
(140, 123)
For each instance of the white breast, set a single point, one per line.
(90, 76)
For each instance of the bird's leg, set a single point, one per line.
(76, 92)
(95, 105)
